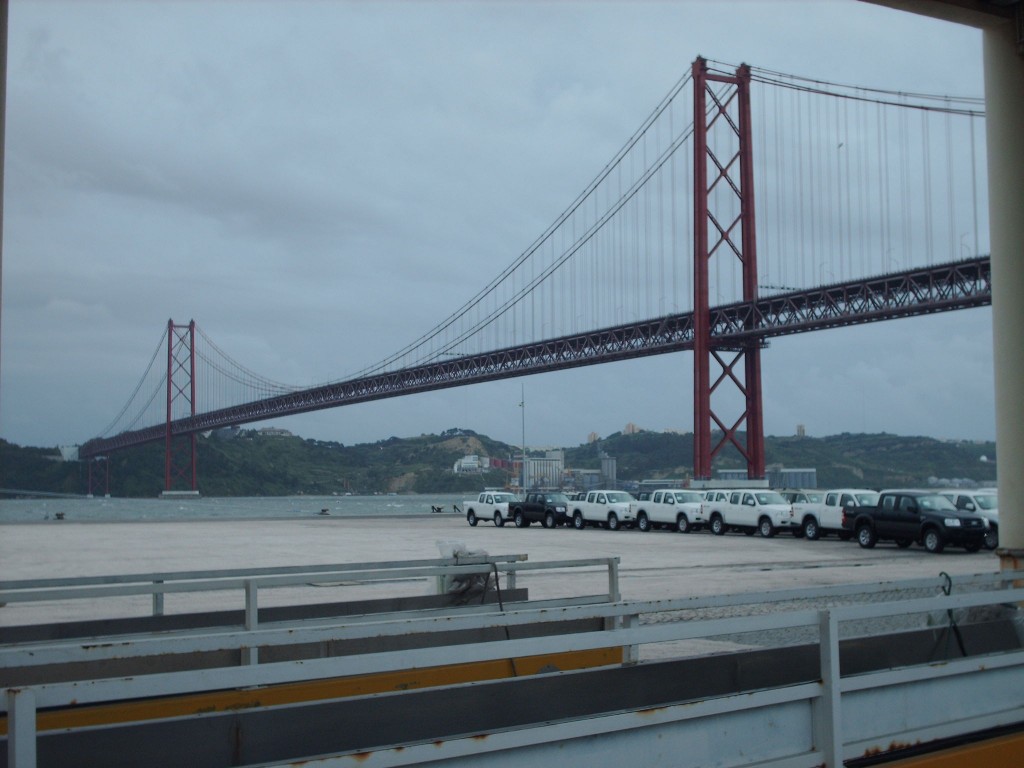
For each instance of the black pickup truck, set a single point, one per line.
(550, 509)
(905, 517)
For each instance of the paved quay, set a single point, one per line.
(654, 565)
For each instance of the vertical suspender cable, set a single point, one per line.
(974, 186)
(661, 230)
(950, 203)
(883, 176)
(829, 190)
(781, 205)
(863, 173)
(798, 183)
(814, 131)
(929, 240)
(673, 255)
(766, 263)
(904, 190)
(849, 206)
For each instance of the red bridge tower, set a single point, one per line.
(724, 199)
(180, 450)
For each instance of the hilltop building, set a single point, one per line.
(545, 472)
(471, 464)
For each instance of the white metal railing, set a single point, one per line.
(616, 613)
(350, 627)
(160, 584)
(623, 628)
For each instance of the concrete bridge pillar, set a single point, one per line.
(1002, 25)
(1004, 107)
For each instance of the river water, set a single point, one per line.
(240, 508)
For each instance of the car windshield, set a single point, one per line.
(683, 497)
(814, 497)
(618, 496)
(556, 498)
(936, 502)
(866, 499)
(769, 497)
(502, 497)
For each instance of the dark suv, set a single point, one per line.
(550, 509)
(928, 518)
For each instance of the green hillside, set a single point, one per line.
(248, 463)
(845, 460)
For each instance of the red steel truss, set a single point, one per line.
(939, 288)
(726, 164)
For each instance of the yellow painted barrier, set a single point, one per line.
(317, 690)
(1001, 752)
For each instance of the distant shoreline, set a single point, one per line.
(236, 519)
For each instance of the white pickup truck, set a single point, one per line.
(671, 508)
(980, 502)
(824, 515)
(749, 510)
(490, 505)
(610, 509)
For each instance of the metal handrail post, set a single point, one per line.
(158, 599)
(826, 709)
(631, 653)
(21, 728)
(613, 580)
(250, 654)
(613, 622)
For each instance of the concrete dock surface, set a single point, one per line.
(653, 565)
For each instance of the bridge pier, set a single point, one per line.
(1002, 26)
(1004, 106)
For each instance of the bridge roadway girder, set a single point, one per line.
(958, 285)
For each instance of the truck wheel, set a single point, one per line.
(811, 530)
(682, 524)
(521, 522)
(471, 518)
(991, 538)
(549, 520)
(717, 525)
(764, 525)
(643, 523)
(498, 520)
(578, 522)
(613, 522)
(933, 541)
(866, 536)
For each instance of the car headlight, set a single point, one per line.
(951, 522)
(559, 509)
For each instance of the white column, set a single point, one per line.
(1004, 107)
(21, 728)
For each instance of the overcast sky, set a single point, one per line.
(317, 183)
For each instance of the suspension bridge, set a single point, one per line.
(749, 204)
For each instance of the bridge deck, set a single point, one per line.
(938, 288)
